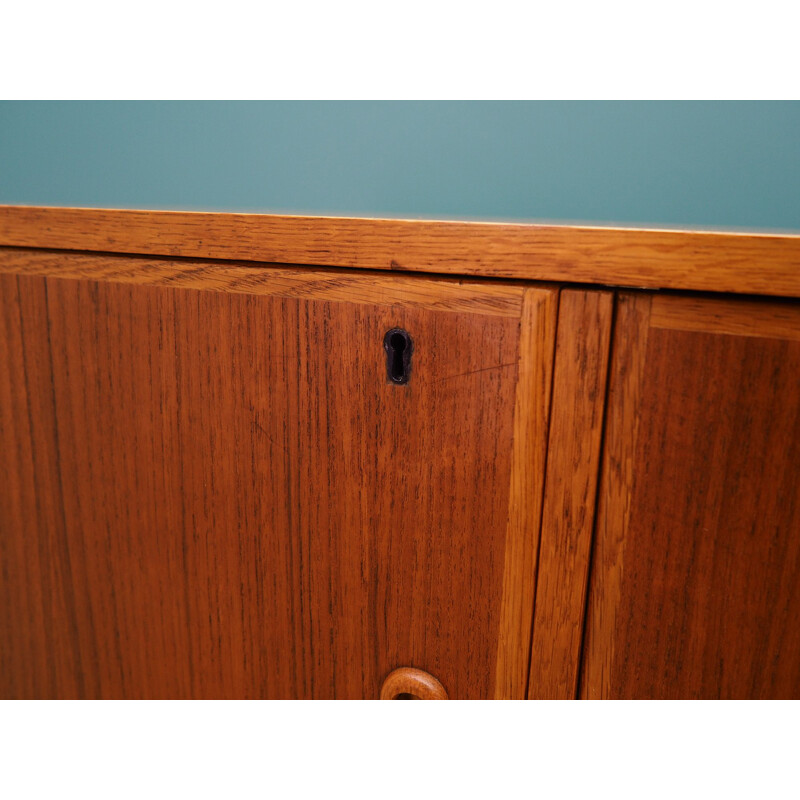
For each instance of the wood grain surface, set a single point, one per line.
(737, 317)
(209, 488)
(695, 581)
(576, 424)
(531, 415)
(744, 263)
(334, 285)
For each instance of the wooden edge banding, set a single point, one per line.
(629, 352)
(407, 683)
(532, 406)
(579, 383)
(745, 263)
(777, 320)
(440, 294)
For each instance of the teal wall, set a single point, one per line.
(681, 163)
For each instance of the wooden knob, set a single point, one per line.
(407, 683)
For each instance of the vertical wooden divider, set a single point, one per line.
(632, 327)
(575, 434)
(531, 413)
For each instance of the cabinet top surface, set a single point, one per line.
(695, 260)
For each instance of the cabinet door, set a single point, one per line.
(210, 487)
(695, 579)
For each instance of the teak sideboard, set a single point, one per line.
(255, 456)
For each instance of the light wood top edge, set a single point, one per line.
(525, 225)
(758, 263)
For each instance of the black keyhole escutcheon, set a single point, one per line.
(398, 346)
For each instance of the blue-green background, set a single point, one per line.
(673, 163)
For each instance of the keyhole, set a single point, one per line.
(398, 346)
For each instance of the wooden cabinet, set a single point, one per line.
(233, 479)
